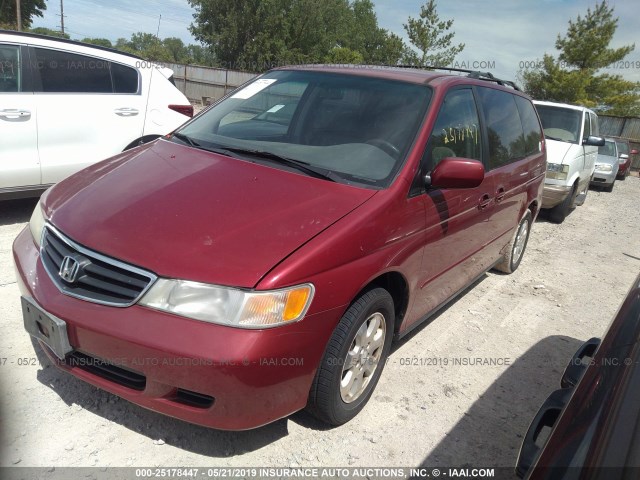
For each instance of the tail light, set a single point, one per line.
(183, 109)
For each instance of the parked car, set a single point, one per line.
(624, 153)
(593, 418)
(572, 134)
(65, 105)
(249, 266)
(607, 166)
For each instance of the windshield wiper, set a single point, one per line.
(299, 165)
(186, 139)
(556, 139)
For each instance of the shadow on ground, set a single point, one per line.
(491, 431)
(16, 211)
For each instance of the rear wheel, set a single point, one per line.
(517, 246)
(354, 359)
(558, 213)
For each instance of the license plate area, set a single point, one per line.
(46, 327)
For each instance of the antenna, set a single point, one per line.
(158, 31)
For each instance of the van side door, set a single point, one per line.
(89, 109)
(456, 219)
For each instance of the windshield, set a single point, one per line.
(560, 123)
(355, 129)
(608, 149)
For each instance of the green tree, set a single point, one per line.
(431, 36)
(258, 34)
(28, 10)
(50, 32)
(102, 42)
(363, 35)
(574, 78)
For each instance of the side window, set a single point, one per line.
(506, 137)
(10, 78)
(530, 126)
(456, 132)
(125, 79)
(587, 126)
(595, 128)
(65, 72)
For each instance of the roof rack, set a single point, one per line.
(72, 42)
(489, 77)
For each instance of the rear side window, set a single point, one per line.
(456, 132)
(506, 137)
(125, 79)
(64, 72)
(530, 125)
(10, 78)
(67, 72)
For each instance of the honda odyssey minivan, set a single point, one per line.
(261, 259)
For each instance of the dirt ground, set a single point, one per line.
(435, 405)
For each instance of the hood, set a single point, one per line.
(557, 150)
(190, 214)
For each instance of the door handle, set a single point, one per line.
(485, 200)
(15, 114)
(500, 195)
(126, 112)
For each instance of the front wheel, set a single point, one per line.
(354, 359)
(517, 246)
(558, 213)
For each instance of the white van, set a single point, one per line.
(65, 105)
(572, 137)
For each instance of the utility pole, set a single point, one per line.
(62, 17)
(18, 16)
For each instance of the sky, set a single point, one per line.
(500, 36)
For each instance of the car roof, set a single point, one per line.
(565, 105)
(36, 36)
(410, 74)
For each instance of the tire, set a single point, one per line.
(352, 354)
(558, 213)
(517, 246)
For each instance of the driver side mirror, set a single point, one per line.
(593, 141)
(455, 172)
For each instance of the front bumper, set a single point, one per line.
(253, 376)
(553, 195)
(603, 179)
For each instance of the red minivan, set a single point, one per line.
(261, 259)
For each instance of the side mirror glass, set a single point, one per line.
(455, 172)
(593, 141)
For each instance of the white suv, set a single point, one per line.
(65, 105)
(572, 138)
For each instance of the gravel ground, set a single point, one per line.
(430, 408)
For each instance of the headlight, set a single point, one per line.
(557, 171)
(604, 167)
(36, 224)
(229, 306)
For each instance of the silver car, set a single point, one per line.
(607, 165)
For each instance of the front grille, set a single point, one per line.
(106, 370)
(90, 275)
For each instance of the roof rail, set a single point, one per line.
(72, 42)
(489, 77)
